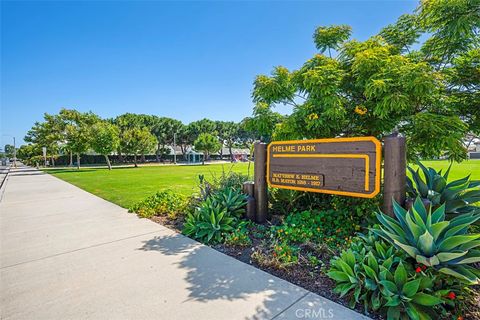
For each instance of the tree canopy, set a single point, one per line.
(428, 92)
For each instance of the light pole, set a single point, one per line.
(14, 154)
(174, 148)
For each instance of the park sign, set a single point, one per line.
(342, 166)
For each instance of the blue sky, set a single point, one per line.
(186, 60)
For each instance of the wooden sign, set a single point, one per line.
(343, 166)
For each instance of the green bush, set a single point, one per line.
(216, 217)
(165, 202)
(232, 200)
(359, 210)
(458, 196)
(239, 236)
(209, 223)
(377, 275)
(432, 241)
(334, 228)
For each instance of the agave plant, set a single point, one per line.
(209, 222)
(384, 286)
(232, 200)
(432, 241)
(459, 196)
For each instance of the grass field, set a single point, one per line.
(125, 186)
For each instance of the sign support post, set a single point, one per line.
(260, 173)
(395, 167)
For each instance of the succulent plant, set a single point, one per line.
(209, 222)
(432, 241)
(459, 196)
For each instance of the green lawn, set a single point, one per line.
(459, 170)
(125, 186)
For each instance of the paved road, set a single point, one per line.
(67, 254)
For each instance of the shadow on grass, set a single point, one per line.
(214, 276)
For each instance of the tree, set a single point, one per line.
(48, 134)
(8, 150)
(128, 121)
(208, 144)
(76, 129)
(164, 130)
(263, 123)
(382, 84)
(138, 141)
(105, 139)
(228, 133)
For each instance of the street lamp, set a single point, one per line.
(174, 148)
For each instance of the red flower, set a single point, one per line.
(460, 318)
(418, 270)
(451, 295)
(424, 267)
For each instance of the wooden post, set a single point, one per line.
(395, 170)
(249, 190)
(260, 177)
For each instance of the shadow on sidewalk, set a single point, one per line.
(227, 279)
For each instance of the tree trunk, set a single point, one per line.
(78, 161)
(143, 158)
(231, 154)
(108, 162)
(203, 159)
(135, 160)
(71, 159)
(53, 161)
(158, 152)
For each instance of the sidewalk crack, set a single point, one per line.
(291, 305)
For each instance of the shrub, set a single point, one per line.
(227, 180)
(374, 273)
(232, 200)
(432, 241)
(239, 236)
(331, 227)
(216, 217)
(458, 196)
(209, 223)
(165, 202)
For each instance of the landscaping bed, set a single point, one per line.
(343, 248)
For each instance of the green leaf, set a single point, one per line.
(425, 243)
(389, 286)
(400, 275)
(439, 214)
(393, 313)
(338, 276)
(455, 241)
(426, 299)
(410, 288)
(369, 271)
(447, 256)
(411, 251)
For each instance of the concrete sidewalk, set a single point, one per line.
(67, 254)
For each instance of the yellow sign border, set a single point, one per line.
(378, 149)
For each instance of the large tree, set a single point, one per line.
(76, 130)
(228, 133)
(105, 139)
(383, 84)
(208, 144)
(49, 134)
(138, 141)
(165, 130)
